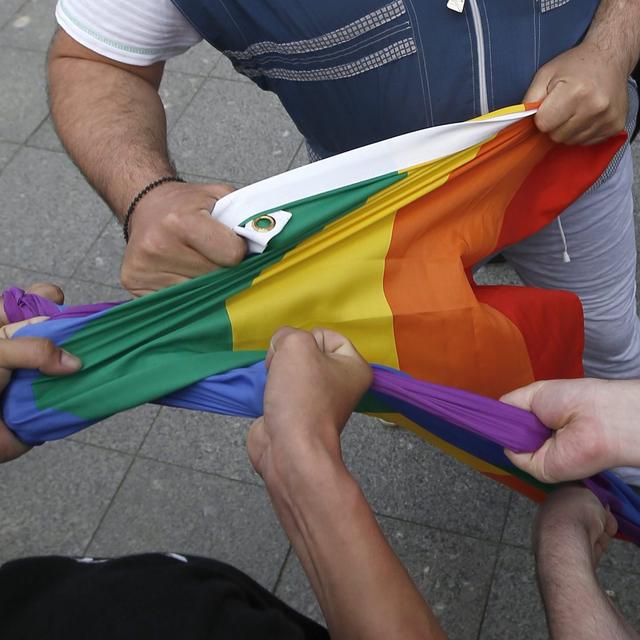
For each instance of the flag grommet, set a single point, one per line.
(264, 223)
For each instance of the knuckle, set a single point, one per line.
(237, 252)
(152, 245)
(44, 349)
(600, 103)
(126, 278)
(592, 448)
(128, 275)
(618, 123)
(297, 339)
(173, 221)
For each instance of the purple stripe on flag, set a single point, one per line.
(504, 424)
(19, 305)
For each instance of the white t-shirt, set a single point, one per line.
(138, 32)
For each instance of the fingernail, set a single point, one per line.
(69, 361)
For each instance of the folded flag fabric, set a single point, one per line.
(379, 244)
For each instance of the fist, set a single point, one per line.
(584, 96)
(172, 237)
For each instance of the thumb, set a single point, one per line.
(332, 342)
(37, 353)
(522, 397)
(534, 463)
(539, 87)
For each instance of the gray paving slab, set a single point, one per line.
(80, 292)
(199, 60)
(20, 277)
(45, 137)
(8, 9)
(191, 177)
(452, 572)
(404, 477)
(31, 27)
(620, 555)
(52, 498)
(123, 432)
(497, 274)
(162, 507)
(622, 588)
(54, 215)
(234, 131)
(224, 69)
(202, 441)
(23, 99)
(177, 91)
(7, 151)
(514, 609)
(102, 263)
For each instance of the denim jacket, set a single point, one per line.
(352, 72)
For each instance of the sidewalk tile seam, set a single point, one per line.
(494, 568)
(37, 271)
(203, 79)
(89, 249)
(13, 15)
(18, 146)
(195, 470)
(281, 572)
(447, 530)
(134, 457)
(295, 155)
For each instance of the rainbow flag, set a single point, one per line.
(379, 244)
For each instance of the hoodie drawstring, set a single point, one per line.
(565, 254)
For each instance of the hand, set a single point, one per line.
(572, 525)
(594, 424)
(29, 353)
(315, 380)
(584, 96)
(172, 237)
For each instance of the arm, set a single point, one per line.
(593, 422)
(363, 589)
(28, 353)
(111, 121)
(584, 90)
(571, 532)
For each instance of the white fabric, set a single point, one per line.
(357, 165)
(138, 32)
(258, 239)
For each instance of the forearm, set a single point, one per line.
(576, 605)
(614, 31)
(363, 589)
(111, 121)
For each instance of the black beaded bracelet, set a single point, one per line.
(134, 203)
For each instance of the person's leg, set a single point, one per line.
(570, 535)
(600, 241)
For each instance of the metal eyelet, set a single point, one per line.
(263, 224)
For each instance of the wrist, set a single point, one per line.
(620, 58)
(298, 470)
(145, 194)
(619, 422)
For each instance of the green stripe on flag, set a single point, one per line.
(167, 340)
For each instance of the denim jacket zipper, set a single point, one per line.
(482, 58)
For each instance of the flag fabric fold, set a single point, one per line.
(378, 244)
